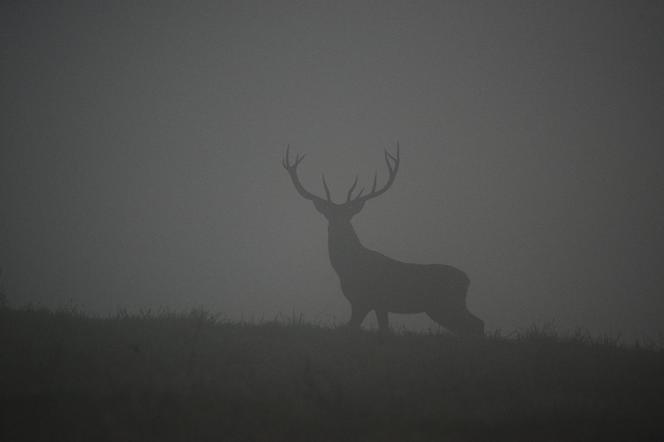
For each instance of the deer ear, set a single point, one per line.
(357, 206)
(319, 206)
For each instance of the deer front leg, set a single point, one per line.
(383, 323)
(358, 313)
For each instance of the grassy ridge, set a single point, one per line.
(65, 376)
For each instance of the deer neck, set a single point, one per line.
(343, 245)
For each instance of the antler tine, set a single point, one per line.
(393, 167)
(285, 160)
(350, 191)
(291, 168)
(327, 189)
(392, 162)
(387, 160)
(392, 157)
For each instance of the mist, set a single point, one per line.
(141, 149)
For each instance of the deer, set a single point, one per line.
(372, 281)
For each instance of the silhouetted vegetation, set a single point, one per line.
(167, 376)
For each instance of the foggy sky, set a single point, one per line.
(140, 159)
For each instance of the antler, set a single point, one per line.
(392, 168)
(392, 162)
(291, 168)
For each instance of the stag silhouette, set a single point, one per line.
(373, 281)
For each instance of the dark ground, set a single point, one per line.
(188, 377)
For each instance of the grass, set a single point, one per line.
(65, 376)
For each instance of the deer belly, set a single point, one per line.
(403, 301)
(393, 299)
(403, 287)
(414, 288)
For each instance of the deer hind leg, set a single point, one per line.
(439, 316)
(459, 321)
(383, 323)
(357, 315)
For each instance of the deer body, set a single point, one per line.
(373, 281)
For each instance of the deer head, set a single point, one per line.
(341, 212)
